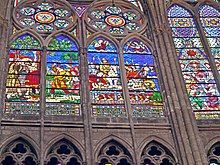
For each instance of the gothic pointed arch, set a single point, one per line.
(159, 141)
(21, 136)
(63, 32)
(30, 32)
(62, 76)
(19, 151)
(113, 152)
(214, 154)
(65, 137)
(109, 138)
(23, 80)
(209, 17)
(106, 91)
(145, 99)
(155, 153)
(196, 62)
(63, 152)
(99, 19)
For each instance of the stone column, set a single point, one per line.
(3, 64)
(179, 112)
(85, 108)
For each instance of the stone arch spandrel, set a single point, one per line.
(156, 152)
(211, 143)
(108, 139)
(70, 139)
(158, 140)
(12, 138)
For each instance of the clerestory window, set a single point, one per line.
(196, 39)
(56, 45)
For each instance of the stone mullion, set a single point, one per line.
(190, 150)
(191, 125)
(207, 49)
(127, 103)
(189, 117)
(84, 92)
(42, 101)
(3, 65)
(191, 131)
(166, 94)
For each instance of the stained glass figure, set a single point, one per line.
(44, 17)
(62, 77)
(104, 78)
(23, 80)
(210, 19)
(115, 19)
(144, 90)
(196, 69)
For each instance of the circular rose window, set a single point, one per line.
(44, 16)
(116, 19)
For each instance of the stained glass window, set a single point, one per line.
(62, 77)
(23, 80)
(104, 78)
(115, 19)
(210, 19)
(43, 16)
(194, 63)
(144, 90)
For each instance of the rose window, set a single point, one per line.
(44, 16)
(115, 19)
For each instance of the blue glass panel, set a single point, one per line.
(102, 58)
(178, 11)
(62, 57)
(185, 32)
(208, 11)
(212, 31)
(138, 59)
